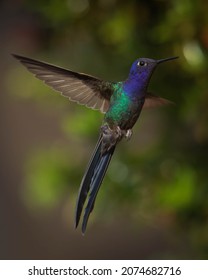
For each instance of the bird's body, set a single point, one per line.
(124, 109)
(121, 102)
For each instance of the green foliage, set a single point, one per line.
(50, 175)
(179, 193)
(82, 123)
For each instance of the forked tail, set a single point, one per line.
(91, 182)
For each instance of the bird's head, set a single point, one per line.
(143, 68)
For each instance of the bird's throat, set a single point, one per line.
(134, 88)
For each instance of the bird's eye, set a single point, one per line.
(142, 63)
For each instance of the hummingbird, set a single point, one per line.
(121, 103)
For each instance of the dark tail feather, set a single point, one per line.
(86, 180)
(97, 179)
(91, 181)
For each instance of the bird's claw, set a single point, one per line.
(128, 134)
(110, 136)
(115, 133)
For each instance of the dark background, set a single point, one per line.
(153, 201)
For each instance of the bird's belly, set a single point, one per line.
(123, 115)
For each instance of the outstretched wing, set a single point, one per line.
(81, 88)
(152, 100)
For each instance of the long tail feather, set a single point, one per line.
(86, 180)
(91, 182)
(95, 185)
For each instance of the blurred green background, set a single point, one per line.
(153, 203)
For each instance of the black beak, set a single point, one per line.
(166, 59)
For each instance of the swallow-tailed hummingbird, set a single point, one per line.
(121, 102)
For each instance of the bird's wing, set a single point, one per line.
(81, 88)
(152, 100)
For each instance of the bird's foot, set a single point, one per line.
(110, 136)
(128, 134)
(116, 132)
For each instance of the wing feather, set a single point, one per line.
(152, 101)
(78, 87)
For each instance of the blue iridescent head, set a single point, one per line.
(140, 74)
(144, 67)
